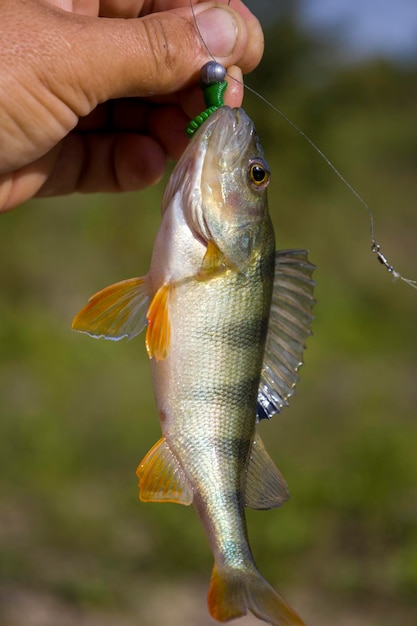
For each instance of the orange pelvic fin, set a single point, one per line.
(158, 334)
(116, 312)
(161, 477)
(233, 592)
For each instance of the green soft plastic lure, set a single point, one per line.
(212, 76)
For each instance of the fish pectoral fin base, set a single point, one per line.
(161, 477)
(213, 262)
(158, 334)
(116, 312)
(265, 486)
(233, 592)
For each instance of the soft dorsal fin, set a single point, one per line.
(158, 334)
(161, 477)
(116, 312)
(265, 486)
(288, 328)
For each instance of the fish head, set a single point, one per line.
(222, 179)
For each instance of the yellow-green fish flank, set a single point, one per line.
(226, 320)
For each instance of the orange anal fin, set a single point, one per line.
(213, 262)
(158, 334)
(161, 477)
(115, 312)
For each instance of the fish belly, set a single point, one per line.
(206, 391)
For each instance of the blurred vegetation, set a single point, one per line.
(78, 415)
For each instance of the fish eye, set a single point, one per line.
(259, 174)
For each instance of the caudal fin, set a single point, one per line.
(233, 592)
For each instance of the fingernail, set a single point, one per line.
(218, 30)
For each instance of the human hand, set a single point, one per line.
(91, 103)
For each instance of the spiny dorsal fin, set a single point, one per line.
(289, 326)
(116, 312)
(161, 477)
(158, 334)
(265, 486)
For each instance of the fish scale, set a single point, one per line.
(210, 346)
(226, 321)
(214, 412)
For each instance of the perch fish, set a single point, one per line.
(226, 321)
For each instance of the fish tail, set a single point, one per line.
(233, 592)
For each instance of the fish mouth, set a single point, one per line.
(212, 162)
(226, 138)
(229, 130)
(218, 144)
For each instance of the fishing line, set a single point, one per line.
(375, 246)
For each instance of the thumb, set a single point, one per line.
(157, 54)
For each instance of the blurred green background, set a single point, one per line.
(77, 415)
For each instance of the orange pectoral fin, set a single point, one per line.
(115, 312)
(158, 334)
